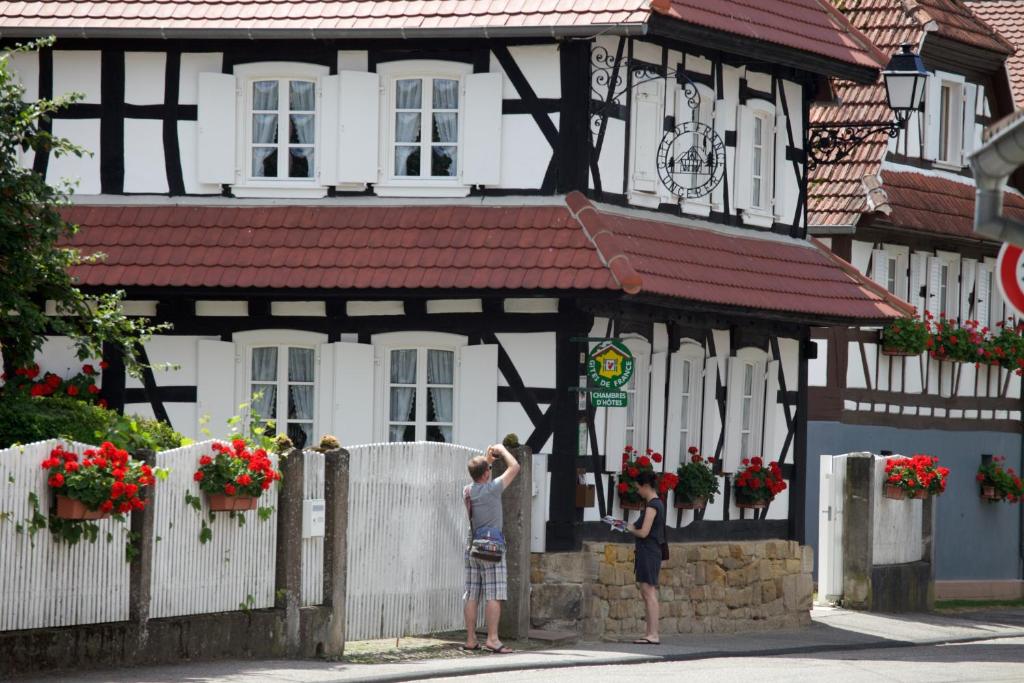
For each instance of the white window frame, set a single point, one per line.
(756, 360)
(762, 216)
(245, 184)
(429, 186)
(950, 285)
(954, 141)
(245, 342)
(383, 345)
(896, 269)
(690, 384)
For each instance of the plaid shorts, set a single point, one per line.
(487, 578)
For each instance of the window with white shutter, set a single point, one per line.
(685, 404)
(754, 171)
(744, 406)
(218, 123)
(982, 295)
(647, 124)
(945, 119)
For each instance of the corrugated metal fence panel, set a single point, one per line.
(406, 539)
(313, 547)
(44, 583)
(218, 576)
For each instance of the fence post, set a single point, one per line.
(336, 482)
(288, 574)
(517, 505)
(140, 573)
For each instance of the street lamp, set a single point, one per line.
(905, 78)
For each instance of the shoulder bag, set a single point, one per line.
(488, 543)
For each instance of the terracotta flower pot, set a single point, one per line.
(893, 351)
(894, 492)
(69, 508)
(744, 503)
(221, 502)
(989, 493)
(687, 503)
(920, 494)
(629, 505)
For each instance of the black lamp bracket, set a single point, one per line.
(831, 144)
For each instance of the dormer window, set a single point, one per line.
(949, 119)
(758, 162)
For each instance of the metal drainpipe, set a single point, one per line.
(1000, 155)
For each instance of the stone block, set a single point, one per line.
(715, 574)
(699, 593)
(794, 566)
(808, 559)
(708, 553)
(593, 628)
(738, 577)
(717, 592)
(565, 567)
(693, 554)
(797, 591)
(768, 591)
(738, 597)
(557, 601)
(607, 575)
(723, 550)
(700, 574)
(764, 570)
(732, 563)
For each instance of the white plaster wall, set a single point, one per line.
(610, 162)
(77, 71)
(193, 64)
(144, 167)
(26, 70)
(533, 355)
(817, 368)
(84, 171)
(861, 255)
(57, 355)
(540, 66)
(144, 75)
(525, 152)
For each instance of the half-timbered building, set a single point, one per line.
(901, 211)
(405, 221)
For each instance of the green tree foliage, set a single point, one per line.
(34, 256)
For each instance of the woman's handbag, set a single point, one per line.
(664, 552)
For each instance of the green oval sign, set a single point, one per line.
(610, 365)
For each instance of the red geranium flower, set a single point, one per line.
(56, 480)
(623, 487)
(93, 389)
(72, 390)
(88, 369)
(229, 489)
(198, 476)
(106, 506)
(205, 460)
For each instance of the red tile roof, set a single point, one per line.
(1007, 17)
(938, 205)
(809, 25)
(575, 247)
(805, 25)
(835, 194)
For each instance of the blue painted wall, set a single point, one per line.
(974, 540)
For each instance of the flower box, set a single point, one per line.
(894, 492)
(920, 494)
(989, 493)
(893, 351)
(744, 503)
(69, 508)
(630, 505)
(221, 502)
(686, 504)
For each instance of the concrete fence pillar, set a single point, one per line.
(288, 568)
(517, 504)
(336, 483)
(140, 572)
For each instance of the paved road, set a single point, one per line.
(987, 661)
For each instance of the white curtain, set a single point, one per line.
(408, 94)
(440, 370)
(402, 398)
(264, 96)
(446, 93)
(301, 95)
(300, 397)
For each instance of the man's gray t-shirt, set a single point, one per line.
(486, 499)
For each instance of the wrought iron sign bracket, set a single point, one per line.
(831, 144)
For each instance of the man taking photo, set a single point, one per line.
(484, 577)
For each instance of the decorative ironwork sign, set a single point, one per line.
(691, 160)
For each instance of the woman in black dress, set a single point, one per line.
(649, 531)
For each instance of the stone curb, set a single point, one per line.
(682, 657)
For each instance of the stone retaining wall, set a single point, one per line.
(705, 588)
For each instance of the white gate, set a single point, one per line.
(312, 546)
(830, 528)
(406, 538)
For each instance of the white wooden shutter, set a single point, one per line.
(932, 104)
(327, 145)
(742, 170)
(997, 310)
(967, 289)
(934, 281)
(353, 393)
(481, 137)
(215, 388)
(706, 116)
(358, 127)
(614, 437)
(217, 128)
(880, 267)
(476, 424)
(783, 196)
(710, 429)
(970, 107)
(646, 135)
(757, 408)
(982, 297)
(675, 389)
(918, 277)
(772, 412)
(733, 413)
(656, 421)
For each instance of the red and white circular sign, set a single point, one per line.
(1010, 276)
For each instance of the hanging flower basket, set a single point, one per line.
(894, 492)
(221, 502)
(69, 508)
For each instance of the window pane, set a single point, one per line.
(685, 407)
(403, 404)
(301, 130)
(264, 401)
(745, 446)
(301, 433)
(300, 162)
(264, 162)
(264, 96)
(944, 123)
(745, 419)
(446, 127)
(758, 136)
(402, 433)
(439, 405)
(300, 365)
(407, 126)
(407, 160)
(301, 96)
(407, 94)
(264, 129)
(442, 161)
(748, 380)
(446, 93)
(403, 366)
(440, 367)
(264, 364)
(442, 433)
(300, 402)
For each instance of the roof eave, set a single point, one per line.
(551, 31)
(768, 52)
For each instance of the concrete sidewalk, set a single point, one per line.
(833, 630)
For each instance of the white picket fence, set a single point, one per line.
(313, 546)
(43, 583)
(234, 569)
(406, 537)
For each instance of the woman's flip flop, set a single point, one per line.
(471, 649)
(645, 641)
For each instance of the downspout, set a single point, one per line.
(1000, 155)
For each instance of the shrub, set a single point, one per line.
(26, 420)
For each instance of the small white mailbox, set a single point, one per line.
(314, 514)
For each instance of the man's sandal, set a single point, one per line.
(466, 648)
(500, 650)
